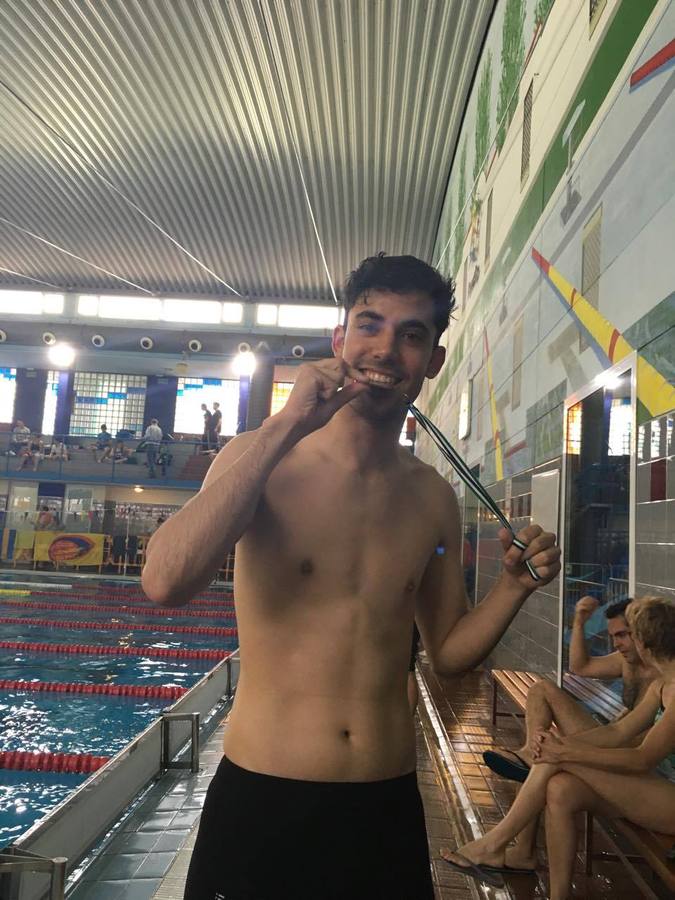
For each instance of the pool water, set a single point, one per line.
(75, 723)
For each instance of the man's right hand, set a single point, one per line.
(585, 609)
(320, 390)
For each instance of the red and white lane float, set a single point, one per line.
(115, 650)
(130, 610)
(122, 626)
(71, 763)
(148, 692)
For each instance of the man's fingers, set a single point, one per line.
(343, 397)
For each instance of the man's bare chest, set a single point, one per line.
(351, 538)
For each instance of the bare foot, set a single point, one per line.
(477, 852)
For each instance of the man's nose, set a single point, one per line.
(386, 346)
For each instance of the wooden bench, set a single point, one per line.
(652, 847)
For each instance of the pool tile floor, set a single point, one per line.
(149, 858)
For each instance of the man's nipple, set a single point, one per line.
(306, 567)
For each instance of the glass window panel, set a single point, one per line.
(7, 394)
(233, 312)
(102, 398)
(51, 399)
(140, 308)
(207, 312)
(281, 391)
(87, 305)
(266, 314)
(21, 303)
(192, 392)
(308, 316)
(53, 304)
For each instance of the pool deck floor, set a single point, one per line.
(149, 857)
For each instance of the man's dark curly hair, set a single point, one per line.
(402, 275)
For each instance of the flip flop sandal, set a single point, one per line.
(507, 870)
(506, 767)
(484, 874)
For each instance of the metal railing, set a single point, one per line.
(14, 862)
(65, 836)
(119, 460)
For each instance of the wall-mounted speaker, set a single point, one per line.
(98, 340)
(3, 336)
(48, 338)
(146, 343)
(298, 351)
(244, 347)
(194, 346)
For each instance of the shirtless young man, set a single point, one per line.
(337, 530)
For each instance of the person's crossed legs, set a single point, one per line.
(547, 705)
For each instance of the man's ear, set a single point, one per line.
(436, 361)
(338, 340)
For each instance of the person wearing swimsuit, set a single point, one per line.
(596, 771)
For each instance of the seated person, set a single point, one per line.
(20, 438)
(31, 452)
(122, 453)
(103, 443)
(59, 450)
(548, 704)
(599, 771)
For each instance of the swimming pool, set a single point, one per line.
(97, 724)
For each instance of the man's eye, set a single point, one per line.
(367, 326)
(413, 336)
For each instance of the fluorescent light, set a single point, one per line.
(243, 364)
(233, 312)
(202, 312)
(308, 316)
(61, 355)
(138, 489)
(141, 308)
(52, 304)
(266, 314)
(87, 305)
(30, 303)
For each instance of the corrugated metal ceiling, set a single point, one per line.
(190, 110)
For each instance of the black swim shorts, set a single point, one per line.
(267, 838)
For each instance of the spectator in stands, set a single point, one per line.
(600, 771)
(46, 519)
(216, 424)
(208, 427)
(31, 452)
(20, 437)
(548, 704)
(59, 450)
(103, 443)
(121, 453)
(153, 439)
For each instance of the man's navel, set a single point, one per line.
(306, 567)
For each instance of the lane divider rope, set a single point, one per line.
(122, 626)
(149, 692)
(121, 598)
(130, 610)
(96, 650)
(70, 763)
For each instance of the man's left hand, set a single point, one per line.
(541, 552)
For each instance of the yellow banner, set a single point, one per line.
(66, 549)
(17, 545)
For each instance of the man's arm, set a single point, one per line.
(581, 662)
(456, 638)
(185, 553)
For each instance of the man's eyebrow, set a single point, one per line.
(377, 317)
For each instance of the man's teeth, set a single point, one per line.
(379, 378)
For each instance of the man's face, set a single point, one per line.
(622, 639)
(390, 338)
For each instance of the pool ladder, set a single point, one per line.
(14, 862)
